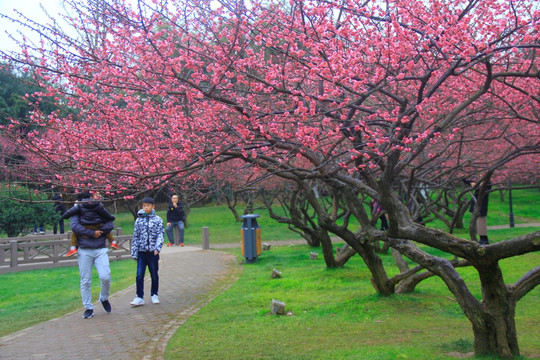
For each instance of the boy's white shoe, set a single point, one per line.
(155, 299)
(137, 302)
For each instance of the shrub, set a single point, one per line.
(21, 209)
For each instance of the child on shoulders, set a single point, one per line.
(92, 215)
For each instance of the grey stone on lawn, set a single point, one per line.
(276, 274)
(313, 256)
(277, 307)
(266, 246)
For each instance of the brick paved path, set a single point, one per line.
(189, 278)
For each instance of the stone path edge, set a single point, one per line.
(227, 279)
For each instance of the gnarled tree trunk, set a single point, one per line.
(494, 325)
(492, 318)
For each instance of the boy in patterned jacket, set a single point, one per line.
(145, 248)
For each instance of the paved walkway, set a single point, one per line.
(507, 226)
(189, 278)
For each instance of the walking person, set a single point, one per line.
(93, 252)
(146, 246)
(92, 215)
(175, 218)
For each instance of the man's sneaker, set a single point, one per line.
(71, 252)
(106, 305)
(137, 302)
(42, 232)
(114, 246)
(182, 244)
(169, 244)
(155, 299)
(88, 313)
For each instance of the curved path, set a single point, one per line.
(189, 278)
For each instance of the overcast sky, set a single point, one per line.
(31, 9)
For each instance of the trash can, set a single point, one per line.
(251, 238)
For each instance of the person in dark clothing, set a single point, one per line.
(61, 209)
(175, 218)
(93, 252)
(92, 215)
(379, 211)
(481, 221)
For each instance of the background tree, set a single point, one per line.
(22, 208)
(16, 95)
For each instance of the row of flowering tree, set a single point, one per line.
(372, 100)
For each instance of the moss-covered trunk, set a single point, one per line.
(327, 248)
(380, 280)
(494, 326)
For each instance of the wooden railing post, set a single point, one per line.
(14, 254)
(205, 238)
(56, 247)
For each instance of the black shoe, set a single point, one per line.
(106, 305)
(88, 313)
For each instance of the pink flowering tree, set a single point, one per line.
(368, 98)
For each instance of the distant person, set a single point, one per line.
(481, 221)
(146, 246)
(60, 209)
(378, 210)
(175, 218)
(41, 230)
(92, 216)
(93, 252)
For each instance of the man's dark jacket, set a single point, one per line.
(86, 236)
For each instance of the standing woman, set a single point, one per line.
(481, 220)
(175, 217)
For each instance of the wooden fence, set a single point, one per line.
(46, 251)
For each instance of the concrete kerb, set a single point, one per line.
(161, 340)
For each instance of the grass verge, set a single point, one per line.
(336, 315)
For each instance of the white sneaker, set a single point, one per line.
(155, 299)
(137, 302)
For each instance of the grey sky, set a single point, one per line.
(31, 9)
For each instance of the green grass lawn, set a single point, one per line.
(335, 314)
(525, 210)
(224, 229)
(221, 224)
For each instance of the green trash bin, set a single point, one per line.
(251, 238)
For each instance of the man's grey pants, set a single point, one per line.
(99, 258)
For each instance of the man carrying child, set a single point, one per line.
(93, 252)
(92, 215)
